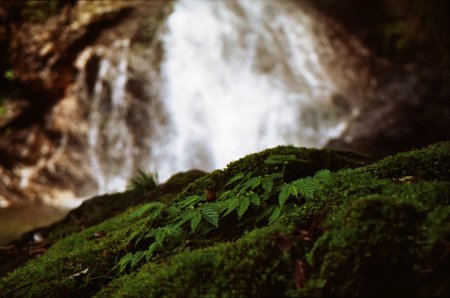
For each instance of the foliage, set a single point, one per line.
(39, 11)
(264, 197)
(143, 182)
(249, 232)
(9, 75)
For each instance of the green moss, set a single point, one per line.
(374, 230)
(99, 209)
(313, 160)
(253, 266)
(431, 163)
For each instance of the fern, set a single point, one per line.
(195, 220)
(210, 214)
(306, 187)
(309, 185)
(323, 175)
(137, 257)
(143, 182)
(276, 212)
(267, 184)
(124, 262)
(195, 216)
(153, 209)
(254, 198)
(230, 205)
(168, 231)
(190, 201)
(130, 260)
(151, 250)
(244, 203)
(251, 184)
(235, 178)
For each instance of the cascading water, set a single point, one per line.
(241, 76)
(109, 137)
(236, 77)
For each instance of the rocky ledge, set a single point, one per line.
(283, 222)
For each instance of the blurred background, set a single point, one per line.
(91, 92)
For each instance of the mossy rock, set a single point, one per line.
(357, 228)
(95, 211)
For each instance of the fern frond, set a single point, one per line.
(323, 175)
(250, 184)
(230, 205)
(124, 262)
(235, 178)
(306, 187)
(136, 258)
(151, 250)
(155, 207)
(210, 214)
(275, 214)
(226, 194)
(244, 203)
(143, 182)
(195, 220)
(169, 231)
(190, 201)
(284, 194)
(254, 198)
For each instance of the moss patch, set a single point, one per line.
(374, 230)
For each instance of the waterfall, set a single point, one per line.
(235, 77)
(241, 76)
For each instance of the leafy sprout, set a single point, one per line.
(143, 182)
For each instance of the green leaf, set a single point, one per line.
(284, 194)
(293, 190)
(267, 184)
(137, 257)
(124, 262)
(306, 187)
(244, 203)
(151, 250)
(251, 184)
(225, 195)
(195, 220)
(169, 231)
(231, 205)
(173, 211)
(143, 182)
(160, 235)
(191, 201)
(155, 207)
(209, 212)
(254, 198)
(323, 175)
(237, 177)
(275, 214)
(279, 159)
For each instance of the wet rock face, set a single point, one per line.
(37, 138)
(43, 53)
(406, 103)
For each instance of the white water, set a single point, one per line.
(236, 77)
(109, 137)
(241, 76)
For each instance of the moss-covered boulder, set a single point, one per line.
(283, 222)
